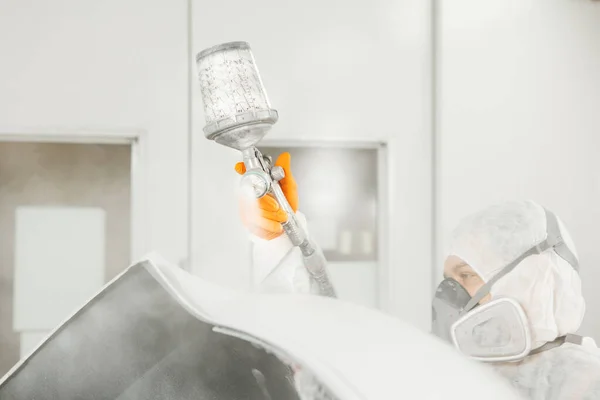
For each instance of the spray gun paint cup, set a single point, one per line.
(236, 107)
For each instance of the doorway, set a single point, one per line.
(66, 222)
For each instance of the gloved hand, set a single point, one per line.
(263, 217)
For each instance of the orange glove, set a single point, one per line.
(263, 217)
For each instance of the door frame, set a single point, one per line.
(384, 273)
(136, 138)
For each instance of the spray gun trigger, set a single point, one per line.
(268, 159)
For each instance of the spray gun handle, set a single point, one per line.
(261, 167)
(291, 226)
(314, 259)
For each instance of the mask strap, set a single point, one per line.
(485, 289)
(569, 338)
(557, 242)
(553, 240)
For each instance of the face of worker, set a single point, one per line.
(460, 271)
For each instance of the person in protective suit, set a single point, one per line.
(511, 295)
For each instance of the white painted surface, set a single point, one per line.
(59, 263)
(334, 71)
(519, 94)
(74, 66)
(30, 340)
(321, 335)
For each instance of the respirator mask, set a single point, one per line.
(497, 330)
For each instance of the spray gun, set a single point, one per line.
(238, 115)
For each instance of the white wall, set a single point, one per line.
(517, 101)
(518, 116)
(334, 70)
(106, 65)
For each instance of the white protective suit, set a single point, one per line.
(278, 265)
(547, 287)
